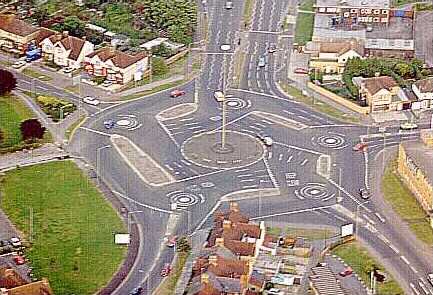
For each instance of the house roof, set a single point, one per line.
(240, 248)
(36, 288)
(118, 58)
(221, 267)
(341, 47)
(43, 34)
(425, 85)
(74, 44)
(10, 23)
(375, 84)
(205, 289)
(9, 278)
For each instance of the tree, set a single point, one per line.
(7, 82)
(158, 66)
(162, 51)
(404, 70)
(32, 129)
(182, 245)
(73, 25)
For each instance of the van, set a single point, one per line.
(219, 96)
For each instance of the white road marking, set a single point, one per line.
(393, 248)
(270, 155)
(298, 148)
(193, 123)
(280, 157)
(248, 180)
(244, 175)
(289, 159)
(241, 170)
(383, 239)
(304, 162)
(291, 212)
(95, 131)
(423, 287)
(405, 260)
(380, 217)
(369, 219)
(194, 127)
(255, 128)
(186, 163)
(186, 119)
(250, 186)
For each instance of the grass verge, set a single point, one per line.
(37, 75)
(307, 5)
(248, 11)
(308, 233)
(153, 90)
(73, 226)
(168, 286)
(362, 263)
(318, 105)
(405, 204)
(304, 27)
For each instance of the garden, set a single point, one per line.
(57, 109)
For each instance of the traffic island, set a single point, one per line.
(207, 150)
(177, 111)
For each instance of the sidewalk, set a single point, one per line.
(152, 85)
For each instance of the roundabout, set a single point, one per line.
(206, 150)
(331, 141)
(314, 191)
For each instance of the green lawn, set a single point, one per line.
(37, 75)
(73, 226)
(168, 286)
(304, 27)
(360, 260)
(308, 233)
(153, 90)
(307, 5)
(248, 11)
(404, 203)
(12, 111)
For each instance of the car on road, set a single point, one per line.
(225, 47)
(346, 272)
(177, 93)
(364, 193)
(137, 291)
(107, 83)
(219, 96)
(108, 124)
(229, 4)
(172, 242)
(301, 71)
(19, 64)
(91, 100)
(262, 62)
(272, 48)
(408, 126)
(361, 146)
(67, 70)
(166, 270)
(267, 140)
(430, 278)
(16, 242)
(19, 260)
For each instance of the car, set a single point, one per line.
(172, 242)
(267, 140)
(301, 71)
(229, 4)
(166, 270)
(408, 126)
(16, 242)
(67, 70)
(364, 193)
(137, 291)
(225, 47)
(430, 278)
(262, 61)
(91, 100)
(361, 146)
(109, 124)
(107, 83)
(19, 64)
(219, 96)
(346, 272)
(19, 260)
(272, 48)
(177, 93)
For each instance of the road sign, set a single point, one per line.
(347, 230)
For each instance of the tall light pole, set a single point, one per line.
(129, 219)
(98, 161)
(224, 107)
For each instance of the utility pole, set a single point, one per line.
(224, 107)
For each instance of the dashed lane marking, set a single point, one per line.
(369, 219)
(405, 260)
(379, 217)
(393, 248)
(414, 289)
(244, 175)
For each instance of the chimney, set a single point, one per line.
(213, 260)
(234, 207)
(65, 34)
(227, 224)
(204, 278)
(219, 242)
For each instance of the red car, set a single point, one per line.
(172, 242)
(166, 270)
(347, 272)
(301, 71)
(177, 93)
(362, 146)
(19, 260)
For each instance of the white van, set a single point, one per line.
(219, 96)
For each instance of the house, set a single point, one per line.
(423, 90)
(390, 48)
(65, 50)
(116, 66)
(382, 93)
(36, 288)
(15, 34)
(331, 57)
(414, 166)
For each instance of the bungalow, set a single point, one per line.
(65, 50)
(15, 34)
(115, 65)
(423, 90)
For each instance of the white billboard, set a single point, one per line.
(347, 230)
(121, 239)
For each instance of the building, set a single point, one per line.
(331, 57)
(423, 90)
(415, 167)
(116, 66)
(13, 283)
(65, 50)
(390, 48)
(15, 34)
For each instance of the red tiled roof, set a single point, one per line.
(425, 85)
(120, 59)
(375, 84)
(240, 248)
(10, 278)
(249, 292)
(36, 288)
(229, 268)
(207, 289)
(10, 23)
(251, 230)
(74, 44)
(43, 34)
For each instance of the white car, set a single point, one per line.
(267, 140)
(91, 100)
(67, 70)
(16, 242)
(408, 126)
(19, 64)
(107, 83)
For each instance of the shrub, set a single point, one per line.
(7, 82)
(54, 107)
(32, 129)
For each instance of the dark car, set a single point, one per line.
(362, 146)
(137, 291)
(109, 124)
(272, 48)
(364, 193)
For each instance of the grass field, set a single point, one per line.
(404, 203)
(304, 27)
(37, 75)
(360, 260)
(168, 286)
(12, 111)
(307, 5)
(308, 233)
(73, 226)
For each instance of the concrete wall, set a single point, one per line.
(338, 99)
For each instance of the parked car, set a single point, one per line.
(91, 100)
(19, 260)
(346, 272)
(177, 93)
(362, 146)
(267, 140)
(109, 124)
(16, 242)
(107, 83)
(364, 193)
(19, 64)
(262, 61)
(229, 4)
(67, 70)
(301, 71)
(137, 291)
(272, 48)
(219, 96)
(172, 242)
(166, 270)
(408, 126)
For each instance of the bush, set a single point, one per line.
(98, 79)
(159, 67)
(7, 82)
(54, 107)
(32, 129)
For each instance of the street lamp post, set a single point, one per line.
(98, 160)
(224, 107)
(129, 219)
